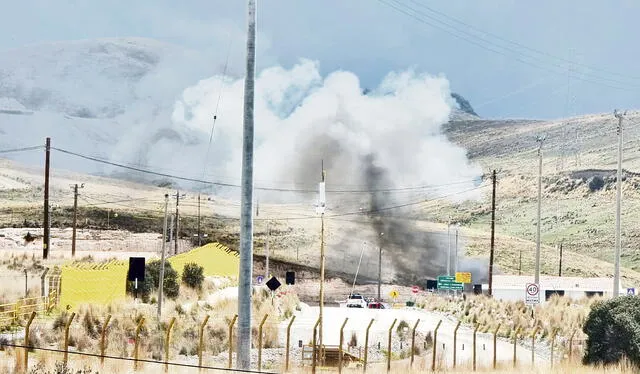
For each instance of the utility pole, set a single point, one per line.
(321, 210)
(520, 264)
(449, 247)
(46, 239)
(616, 274)
(560, 264)
(199, 235)
(266, 275)
(380, 269)
(164, 242)
(171, 226)
(75, 218)
(493, 231)
(540, 141)
(177, 237)
(456, 262)
(246, 209)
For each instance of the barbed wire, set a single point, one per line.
(130, 359)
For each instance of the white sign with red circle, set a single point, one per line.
(532, 295)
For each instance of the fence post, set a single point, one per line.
(495, 346)
(314, 342)
(264, 319)
(233, 321)
(389, 351)
(201, 340)
(66, 337)
(553, 343)
(366, 347)
(286, 364)
(166, 344)
(515, 344)
(16, 311)
(435, 346)
(455, 343)
(136, 345)
(533, 345)
(340, 346)
(26, 341)
(571, 346)
(102, 338)
(413, 341)
(475, 332)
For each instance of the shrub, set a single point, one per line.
(596, 183)
(613, 330)
(193, 275)
(152, 279)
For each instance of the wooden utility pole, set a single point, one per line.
(493, 231)
(560, 265)
(175, 252)
(199, 235)
(47, 233)
(162, 256)
(75, 219)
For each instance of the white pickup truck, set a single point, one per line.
(356, 301)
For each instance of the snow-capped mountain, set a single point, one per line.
(90, 95)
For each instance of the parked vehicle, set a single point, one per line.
(376, 305)
(356, 301)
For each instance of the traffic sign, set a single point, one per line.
(273, 283)
(631, 291)
(415, 289)
(394, 294)
(532, 294)
(448, 282)
(259, 279)
(463, 277)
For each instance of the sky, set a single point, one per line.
(510, 59)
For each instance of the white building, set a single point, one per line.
(513, 287)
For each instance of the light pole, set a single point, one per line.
(164, 243)
(449, 247)
(616, 274)
(380, 268)
(540, 140)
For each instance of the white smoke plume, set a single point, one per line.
(303, 118)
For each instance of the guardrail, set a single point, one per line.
(13, 313)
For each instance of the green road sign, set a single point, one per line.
(448, 282)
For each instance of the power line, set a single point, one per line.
(33, 148)
(534, 50)
(471, 38)
(223, 184)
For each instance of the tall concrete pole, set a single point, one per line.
(164, 244)
(540, 140)
(380, 269)
(46, 238)
(616, 273)
(246, 208)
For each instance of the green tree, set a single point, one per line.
(193, 275)
(613, 330)
(152, 279)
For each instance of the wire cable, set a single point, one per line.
(478, 41)
(33, 148)
(130, 359)
(223, 184)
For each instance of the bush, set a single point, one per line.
(152, 279)
(193, 275)
(596, 183)
(613, 330)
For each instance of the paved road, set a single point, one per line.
(360, 318)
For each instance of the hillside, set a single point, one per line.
(147, 105)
